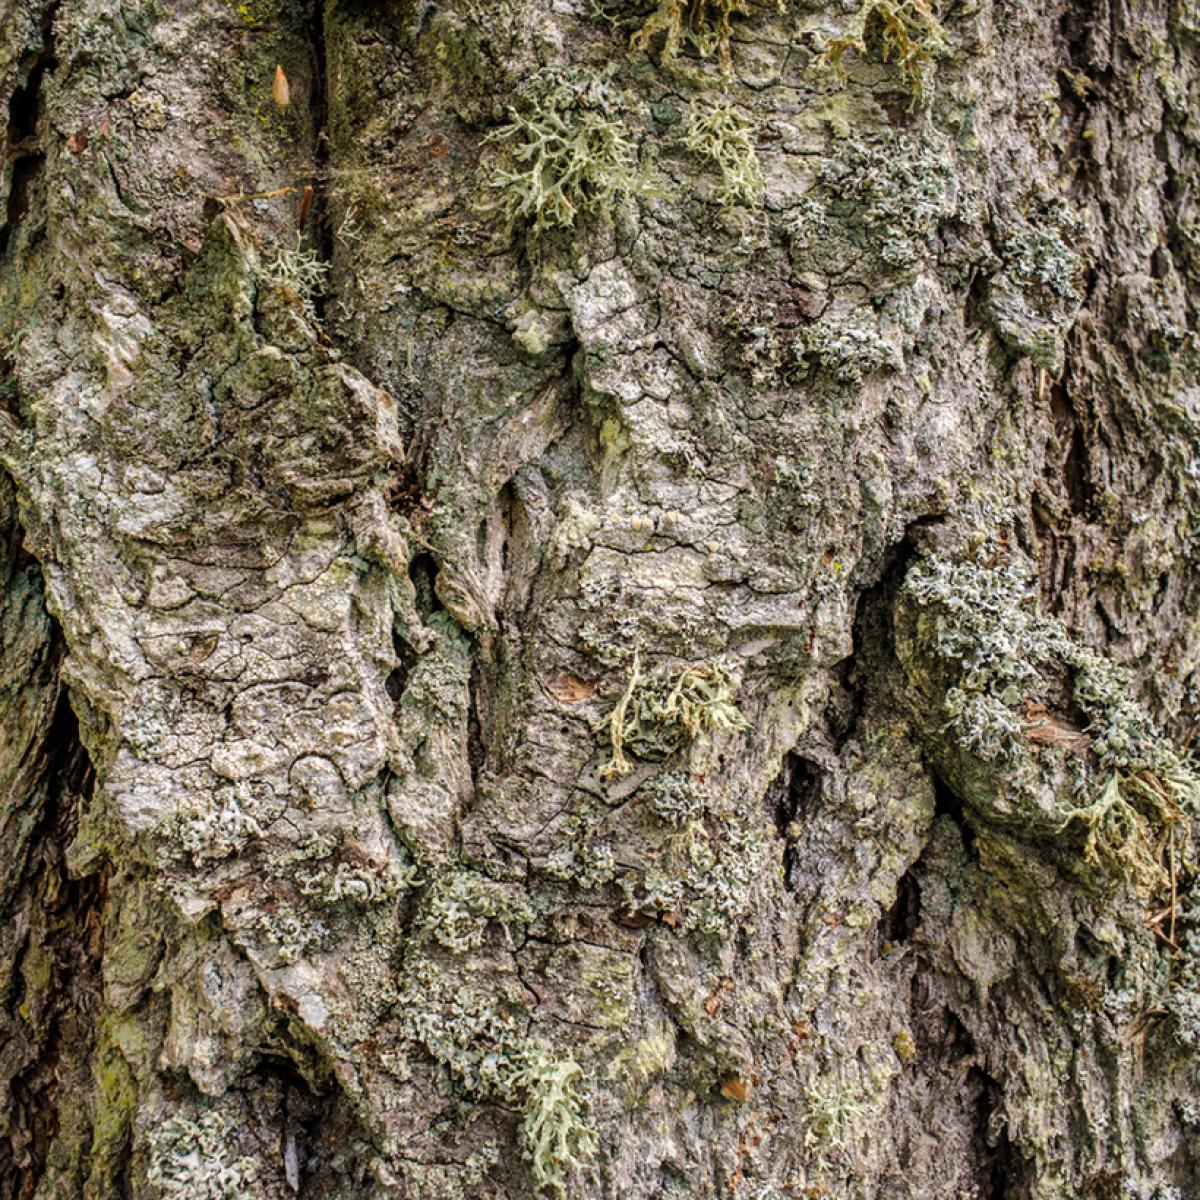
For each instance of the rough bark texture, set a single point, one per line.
(566, 569)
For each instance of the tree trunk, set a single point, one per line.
(599, 601)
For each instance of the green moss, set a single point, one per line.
(116, 1102)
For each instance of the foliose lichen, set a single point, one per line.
(1008, 665)
(197, 1158)
(489, 1054)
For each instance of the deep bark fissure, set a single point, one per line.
(25, 153)
(319, 216)
(65, 916)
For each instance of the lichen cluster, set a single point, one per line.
(891, 190)
(196, 1158)
(459, 906)
(662, 711)
(704, 27)
(1009, 665)
(301, 270)
(1034, 298)
(490, 1056)
(906, 32)
(216, 831)
(569, 152)
(724, 135)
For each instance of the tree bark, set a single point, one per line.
(599, 601)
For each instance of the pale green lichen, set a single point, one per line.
(301, 270)
(661, 712)
(554, 1132)
(724, 135)
(849, 348)
(458, 909)
(906, 32)
(891, 191)
(707, 881)
(291, 933)
(1034, 299)
(358, 882)
(586, 864)
(221, 827)
(829, 1116)
(675, 798)
(570, 153)
(332, 871)
(980, 618)
(197, 1158)
(488, 1055)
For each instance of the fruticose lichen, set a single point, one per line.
(723, 134)
(907, 32)
(570, 151)
(300, 269)
(661, 712)
(702, 26)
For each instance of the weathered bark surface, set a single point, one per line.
(335, 524)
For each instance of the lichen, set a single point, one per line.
(220, 828)
(488, 1054)
(570, 152)
(554, 1132)
(197, 1158)
(301, 270)
(357, 880)
(849, 348)
(907, 33)
(1034, 298)
(702, 26)
(1007, 665)
(829, 1116)
(660, 713)
(458, 908)
(724, 135)
(890, 190)
(674, 798)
